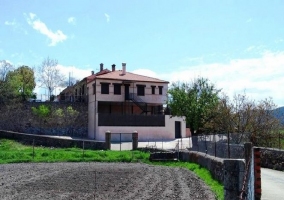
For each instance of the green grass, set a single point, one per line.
(14, 152)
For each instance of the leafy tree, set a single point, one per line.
(22, 80)
(16, 84)
(196, 101)
(50, 76)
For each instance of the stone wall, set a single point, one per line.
(51, 141)
(272, 158)
(20, 118)
(230, 172)
(214, 164)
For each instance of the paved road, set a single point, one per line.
(272, 184)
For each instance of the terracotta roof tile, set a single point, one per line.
(93, 76)
(128, 76)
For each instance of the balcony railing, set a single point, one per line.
(130, 120)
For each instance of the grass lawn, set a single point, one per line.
(14, 152)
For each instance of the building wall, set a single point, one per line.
(91, 119)
(146, 133)
(148, 98)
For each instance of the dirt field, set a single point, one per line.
(99, 181)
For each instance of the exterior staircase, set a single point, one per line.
(139, 102)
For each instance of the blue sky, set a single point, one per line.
(237, 45)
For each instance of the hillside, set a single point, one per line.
(279, 113)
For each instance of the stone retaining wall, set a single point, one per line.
(20, 118)
(272, 158)
(214, 164)
(230, 172)
(50, 141)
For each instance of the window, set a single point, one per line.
(141, 90)
(105, 88)
(116, 88)
(160, 90)
(94, 88)
(153, 89)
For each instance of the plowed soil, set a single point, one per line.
(99, 181)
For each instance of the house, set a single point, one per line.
(122, 102)
(78, 92)
(67, 94)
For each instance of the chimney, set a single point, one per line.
(123, 68)
(101, 67)
(92, 72)
(113, 67)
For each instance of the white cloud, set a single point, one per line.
(32, 15)
(145, 72)
(13, 23)
(259, 77)
(279, 40)
(107, 17)
(74, 72)
(72, 20)
(55, 37)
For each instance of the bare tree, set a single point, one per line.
(50, 76)
(5, 68)
(255, 121)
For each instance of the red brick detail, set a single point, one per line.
(257, 173)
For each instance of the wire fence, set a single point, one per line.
(170, 145)
(229, 145)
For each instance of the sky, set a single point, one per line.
(238, 45)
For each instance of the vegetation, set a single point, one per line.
(45, 116)
(22, 81)
(50, 76)
(254, 120)
(16, 84)
(14, 152)
(196, 101)
(207, 111)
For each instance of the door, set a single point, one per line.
(126, 89)
(177, 129)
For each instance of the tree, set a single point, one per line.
(253, 121)
(5, 92)
(5, 68)
(22, 80)
(49, 75)
(196, 101)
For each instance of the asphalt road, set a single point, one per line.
(272, 184)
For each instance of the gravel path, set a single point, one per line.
(99, 181)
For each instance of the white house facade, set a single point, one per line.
(124, 102)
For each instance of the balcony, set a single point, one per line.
(130, 120)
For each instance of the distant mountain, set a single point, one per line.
(279, 114)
